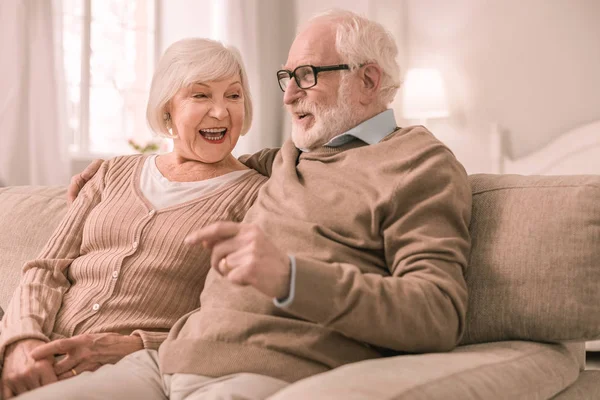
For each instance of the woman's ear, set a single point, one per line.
(168, 120)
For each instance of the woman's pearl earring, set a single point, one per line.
(167, 118)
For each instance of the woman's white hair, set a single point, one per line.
(193, 60)
(360, 40)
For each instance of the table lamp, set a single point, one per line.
(424, 95)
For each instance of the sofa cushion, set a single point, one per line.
(586, 387)
(534, 270)
(28, 216)
(508, 370)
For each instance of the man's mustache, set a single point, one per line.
(304, 106)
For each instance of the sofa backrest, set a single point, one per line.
(28, 216)
(534, 270)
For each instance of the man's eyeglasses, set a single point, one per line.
(305, 75)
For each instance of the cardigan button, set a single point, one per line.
(96, 307)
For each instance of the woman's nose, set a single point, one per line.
(218, 110)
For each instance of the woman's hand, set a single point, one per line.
(21, 372)
(87, 352)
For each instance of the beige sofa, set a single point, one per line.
(534, 281)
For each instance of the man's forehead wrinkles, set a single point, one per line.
(313, 59)
(308, 58)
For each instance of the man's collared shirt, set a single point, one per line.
(370, 131)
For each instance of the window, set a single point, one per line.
(108, 49)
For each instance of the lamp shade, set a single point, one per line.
(424, 95)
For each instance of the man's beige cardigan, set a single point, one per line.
(380, 236)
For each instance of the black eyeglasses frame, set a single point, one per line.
(315, 70)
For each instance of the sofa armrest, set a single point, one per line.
(514, 369)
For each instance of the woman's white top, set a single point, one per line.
(163, 193)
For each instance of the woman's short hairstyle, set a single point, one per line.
(359, 41)
(193, 60)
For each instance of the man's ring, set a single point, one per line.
(74, 372)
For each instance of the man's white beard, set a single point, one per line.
(328, 123)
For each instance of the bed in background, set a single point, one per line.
(575, 152)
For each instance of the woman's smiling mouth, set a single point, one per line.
(213, 135)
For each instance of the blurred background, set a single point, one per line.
(75, 73)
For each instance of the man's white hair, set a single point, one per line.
(360, 40)
(193, 60)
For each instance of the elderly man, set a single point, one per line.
(354, 248)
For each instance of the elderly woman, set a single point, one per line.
(116, 274)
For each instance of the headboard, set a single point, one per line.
(574, 152)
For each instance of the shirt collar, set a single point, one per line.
(370, 131)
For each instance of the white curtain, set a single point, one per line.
(32, 150)
(263, 31)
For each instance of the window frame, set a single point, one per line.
(79, 146)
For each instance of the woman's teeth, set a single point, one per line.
(213, 133)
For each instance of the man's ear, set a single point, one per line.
(370, 81)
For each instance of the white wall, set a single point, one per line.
(179, 19)
(533, 66)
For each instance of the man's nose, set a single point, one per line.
(218, 110)
(292, 92)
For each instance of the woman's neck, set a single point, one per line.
(179, 169)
